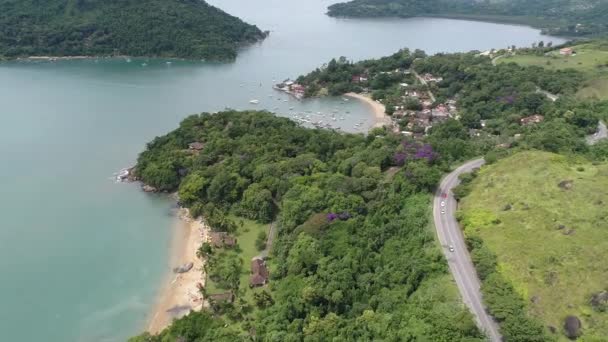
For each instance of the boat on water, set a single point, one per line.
(254, 101)
(144, 64)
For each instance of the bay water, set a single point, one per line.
(81, 257)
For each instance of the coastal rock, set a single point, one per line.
(566, 184)
(599, 301)
(149, 188)
(572, 326)
(183, 268)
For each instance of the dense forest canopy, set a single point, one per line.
(354, 257)
(151, 28)
(565, 17)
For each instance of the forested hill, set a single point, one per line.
(151, 28)
(564, 17)
(354, 259)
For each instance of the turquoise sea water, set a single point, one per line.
(82, 258)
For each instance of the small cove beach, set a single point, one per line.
(377, 108)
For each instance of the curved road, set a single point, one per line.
(600, 134)
(459, 261)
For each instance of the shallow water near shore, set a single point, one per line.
(83, 258)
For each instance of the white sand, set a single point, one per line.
(182, 289)
(378, 108)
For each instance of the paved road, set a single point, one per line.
(550, 96)
(602, 133)
(495, 59)
(272, 232)
(424, 82)
(459, 261)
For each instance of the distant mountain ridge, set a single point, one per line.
(561, 17)
(153, 28)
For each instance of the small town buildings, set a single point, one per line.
(196, 146)
(566, 51)
(412, 93)
(532, 119)
(221, 298)
(221, 239)
(359, 78)
(439, 115)
(430, 78)
(259, 272)
(398, 113)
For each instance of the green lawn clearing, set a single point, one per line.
(590, 59)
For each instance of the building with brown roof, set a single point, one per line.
(259, 272)
(532, 119)
(218, 298)
(196, 146)
(221, 239)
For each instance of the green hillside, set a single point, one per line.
(590, 58)
(151, 28)
(559, 17)
(551, 241)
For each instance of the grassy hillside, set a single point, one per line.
(553, 242)
(164, 28)
(591, 59)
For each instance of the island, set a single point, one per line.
(189, 29)
(316, 234)
(556, 17)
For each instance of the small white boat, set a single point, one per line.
(254, 101)
(169, 63)
(144, 64)
(128, 60)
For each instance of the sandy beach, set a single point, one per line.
(378, 108)
(181, 293)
